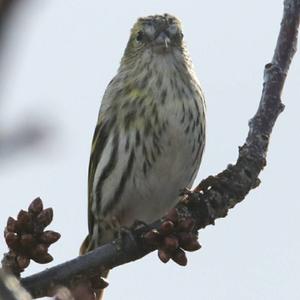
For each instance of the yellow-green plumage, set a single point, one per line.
(150, 134)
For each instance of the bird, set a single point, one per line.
(150, 133)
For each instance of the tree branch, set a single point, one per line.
(6, 6)
(10, 288)
(215, 195)
(25, 135)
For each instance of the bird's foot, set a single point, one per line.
(138, 224)
(185, 194)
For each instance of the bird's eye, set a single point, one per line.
(140, 36)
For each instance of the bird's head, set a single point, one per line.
(158, 34)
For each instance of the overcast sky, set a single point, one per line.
(58, 59)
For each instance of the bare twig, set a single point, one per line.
(10, 288)
(6, 7)
(214, 196)
(24, 135)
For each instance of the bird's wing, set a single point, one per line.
(99, 142)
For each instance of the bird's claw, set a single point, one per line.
(185, 193)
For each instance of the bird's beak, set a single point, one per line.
(162, 40)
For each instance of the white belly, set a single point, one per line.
(150, 192)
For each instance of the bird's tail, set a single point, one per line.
(86, 246)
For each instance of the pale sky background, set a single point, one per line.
(58, 60)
